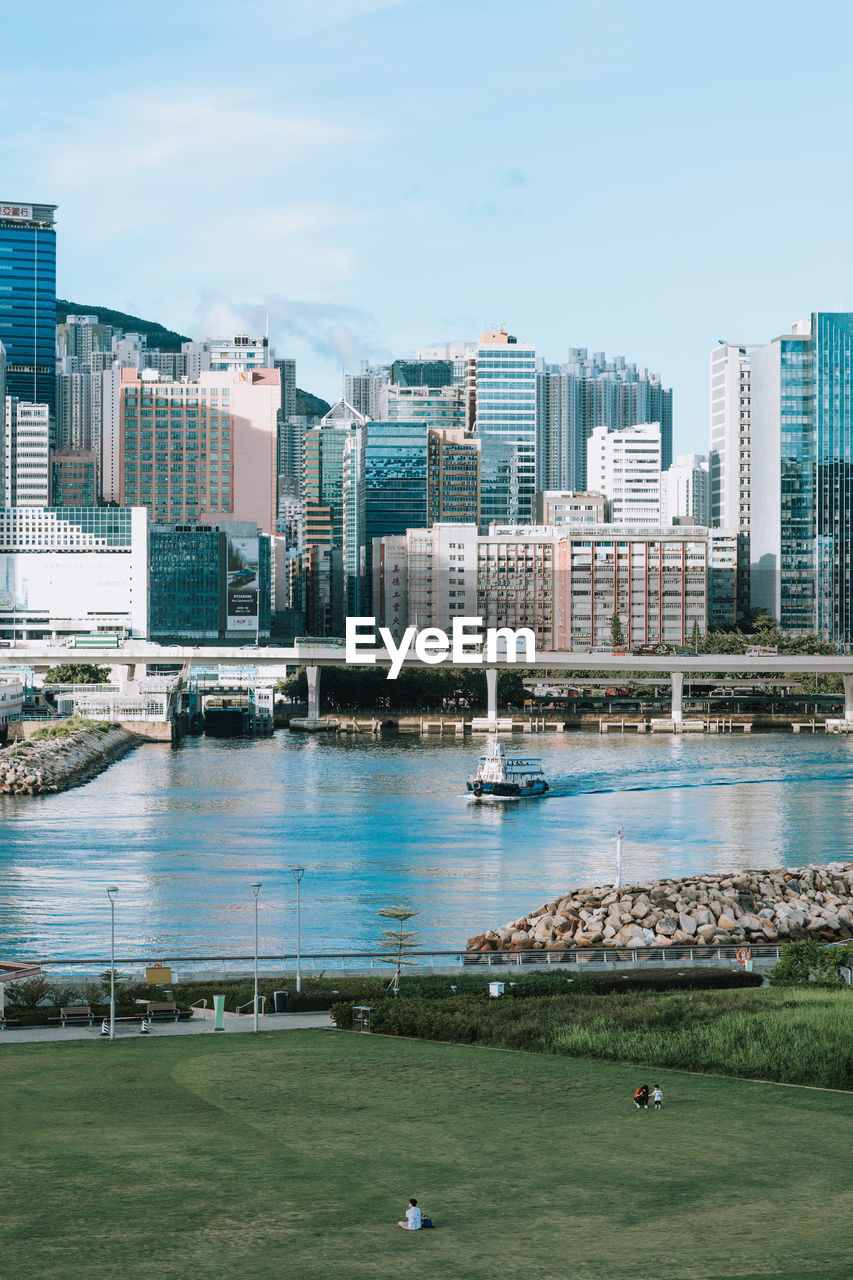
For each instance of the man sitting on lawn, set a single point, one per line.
(413, 1218)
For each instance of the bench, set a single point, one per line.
(167, 1009)
(76, 1014)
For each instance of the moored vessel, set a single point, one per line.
(506, 777)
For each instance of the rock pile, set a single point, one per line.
(55, 764)
(705, 910)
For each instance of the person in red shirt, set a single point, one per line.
(641, 1097)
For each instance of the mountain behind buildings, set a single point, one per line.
(168, 340)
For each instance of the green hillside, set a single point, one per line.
(158, 335)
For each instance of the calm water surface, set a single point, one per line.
(184, 831)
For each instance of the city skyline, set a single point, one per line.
(673, 171)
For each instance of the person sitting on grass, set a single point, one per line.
(413, 1218)
(641, 1097)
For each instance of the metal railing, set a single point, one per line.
(262, 1000)
(222, 968)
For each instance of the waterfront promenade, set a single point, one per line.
(200, 1024)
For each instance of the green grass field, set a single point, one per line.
(293, 1154)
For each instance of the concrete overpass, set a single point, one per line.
(315, 656)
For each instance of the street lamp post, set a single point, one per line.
(618, 884)
(256, 888)
(298, 873)
(112, 890)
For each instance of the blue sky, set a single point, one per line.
(639, 178)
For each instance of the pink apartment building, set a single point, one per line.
(200, 450)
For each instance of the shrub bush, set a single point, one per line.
(805, 961)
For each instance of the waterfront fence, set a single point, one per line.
(329, 963)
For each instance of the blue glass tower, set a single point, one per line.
(802, 477)
(28, 300)
(385, 492)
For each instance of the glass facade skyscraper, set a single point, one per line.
(506, 424)
(802, 477)
(385, 492)
(28, 300)
(832, 373)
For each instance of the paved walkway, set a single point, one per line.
(199, 1025)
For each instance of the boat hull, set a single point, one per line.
(507, 790)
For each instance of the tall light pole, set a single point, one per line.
(256, 888)
(298, 873)
(618, 884)
(112, 890)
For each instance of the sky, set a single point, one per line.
(640, 177)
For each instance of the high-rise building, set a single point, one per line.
(453, 477)
(323, 475)
(563, 582)
(242, 353)
(385, 492)
(441, 407)
(505, 398)
(193, 584)
(586, 392)
(362, 389)
(801, 529)
(625, 466)
(26, 451)
(28, 307)
(73, 473)
(730, 444)
(287, 373)
(686, 491)
(423, 373)
(73, 409)
(193, 450)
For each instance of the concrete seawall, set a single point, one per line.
(741, 907)
(56, 764)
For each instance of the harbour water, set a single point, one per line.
(184, 831)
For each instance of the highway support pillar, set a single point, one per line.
(313, 674)
(848, 697)
(677, 713)
(492, 694)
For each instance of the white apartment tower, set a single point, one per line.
(26, 466)
(686, 491)
(730, 438)
(625, 466)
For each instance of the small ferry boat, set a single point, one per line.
(507, 777)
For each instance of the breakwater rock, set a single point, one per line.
(55, 764)
(703, 910)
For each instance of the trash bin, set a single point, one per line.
(361, 1017)
(496, 988)
(281, 998)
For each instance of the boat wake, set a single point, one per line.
(581, 787)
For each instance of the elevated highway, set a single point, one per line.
(314, 656)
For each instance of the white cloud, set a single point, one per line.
(144, 138)
(340, 334)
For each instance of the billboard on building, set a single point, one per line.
(243, 584)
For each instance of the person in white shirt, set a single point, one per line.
(657, 1095)
(413, 1218)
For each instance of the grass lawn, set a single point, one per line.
(292, 1155)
